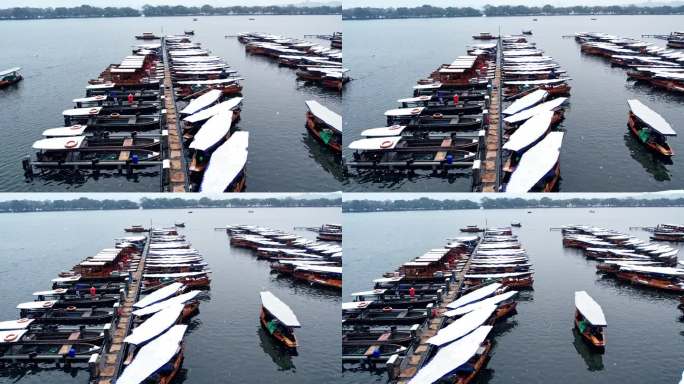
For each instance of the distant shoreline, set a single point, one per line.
(430, 12)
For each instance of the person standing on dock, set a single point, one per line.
(412, 292)
(455, 99)
(93, 291)
(131, 98)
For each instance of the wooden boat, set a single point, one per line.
(405, 152)
(665, 278)
(484, 36)
(472, 229)
(210, 136)
(9, 77)
(330, 232)
(650, 128)
(14, 347)
(668, 236)
(324, 125)
(226, 169)
(157, 361)
(121, 107)
(589, 320)
(539, 167)
(380, 299)
(385, 316)
(368, 351)
(93, 118)
(366, 335)
(433, 105)
(675, 40)
(147, 36)
(70, 315)
(458, 362)
(516, 224)
(321, 275)
(278, 319)
(527, 32)
(136, 229)
(96, 150)
(189, 32)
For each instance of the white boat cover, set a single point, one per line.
(536, 163)
(496, 275)
(332, 119)
(526, 101)
(451, 357)
(15, 324)
(226, 163)
(154, 308)
(8, 71)
(57, 143)
(202, 102)
(66, 279)
(393, 130)
(375, 143)
(415, 99)
(526, 114)
(11, 336)
(651, 118)
(279, 310)
(356, 305)
(211, 82)
(159, 294)
(494, 300)
(462, 326)
(659, 270)
(428, 86)
(74, 130)
(537, 82)
(90, 111)
(174, 275)
(155, 325)
(320, 268)
(205, 114)
(529, 132)
(90, 99)
(213, 131)
(52, 292)
(405, 111)
(589, 309)
(475, 295)
(37, 304)
(153, 356)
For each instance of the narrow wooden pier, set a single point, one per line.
(416, 357)
(110, 364)
(490, 169)
(177, 167)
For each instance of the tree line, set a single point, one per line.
(427, 204)
(87, 11)
(428, 11)
(87, 204)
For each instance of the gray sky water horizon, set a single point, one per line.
(140, 3)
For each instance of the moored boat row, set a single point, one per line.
(317, 263)
(431, 320)
(210, 93)
(539, 89)
(314, 63)
(628, 258)
(441, 127)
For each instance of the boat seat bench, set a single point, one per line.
(66, 347)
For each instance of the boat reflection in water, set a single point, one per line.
(592, 357)
(280, 355)
(653, 164)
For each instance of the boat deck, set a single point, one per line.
(490, 171)
(415, 357)
(178, 178)
(110, 364)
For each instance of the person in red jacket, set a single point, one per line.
(93, 291)
(131, 98)
(455, 99)
(412, 292)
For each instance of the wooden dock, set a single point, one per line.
(490, 168)
(414, 359)
(177, 168)
(110, 364)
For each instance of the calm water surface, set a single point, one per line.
(225, 342)
(645, 328)
(59, 57)
(598, 154)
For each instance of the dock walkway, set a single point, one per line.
(418, 354)
(490, 172)
(114, 355)
(178, 171)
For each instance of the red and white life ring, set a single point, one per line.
(71, 308)
(115, 115)
(47, 304)
(387, 309)
(75, 127)
(22, 320)
(386, 144)
(94, 111)
(437, 116)
(415, 110)
(70, 144)
(395, 127)
(100, 97)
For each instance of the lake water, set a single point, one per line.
(645, 329)
(598, 154)
(225, 342)
(58, 57)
